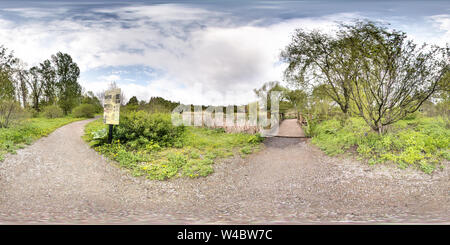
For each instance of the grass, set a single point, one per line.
(199, 149)
(421, 142)
(29, 130)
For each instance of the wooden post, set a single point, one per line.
(110, 133)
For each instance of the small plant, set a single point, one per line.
(364, 150)
(219, 130)
(255, 139)
(99, 137)
(246, 150)
(152, 146)
(198, 167)
(194, 154)
(176, 159)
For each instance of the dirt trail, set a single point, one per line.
(59, 179)
(290, 128)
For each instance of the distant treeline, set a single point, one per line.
(51, 85)
(160, 105)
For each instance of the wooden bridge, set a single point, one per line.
(290, 128)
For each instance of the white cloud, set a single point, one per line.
(110, 78)
(205, 57)
(442, 22)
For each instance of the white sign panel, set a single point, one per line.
(111, 112)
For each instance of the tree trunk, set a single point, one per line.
(379, 128)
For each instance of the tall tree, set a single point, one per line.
(320, 104)
(265, 90)
(21, 77)
(394, 76)
(365, 64)
(9, 107)
(133, 101)
(7, 62)
(90, 98)
(48, 75)
(36, 85)
(298, 98)
(315, 58)
(67, 74)
(159, 104)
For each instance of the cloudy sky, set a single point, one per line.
(201, 52)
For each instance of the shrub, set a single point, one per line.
(32, 112)
(415, 141)
(10, 113)
(52, 111)
(310, 127)
(129, 108)
(141, 128)
(84, 110)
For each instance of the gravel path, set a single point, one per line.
(59, 179)
(290, 128)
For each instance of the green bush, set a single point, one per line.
(52, 111)
(141, 128)
(32, 112)
(84, 110)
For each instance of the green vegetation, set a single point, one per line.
(370, 91)
(84, 110)
(368, 70)
(149, 145)
(34, 100)
(52, 111)
(158, 104)
(141, 128)
(46, 89)
(19, 135)
(10, 113)
(415, 141)
(90, 99)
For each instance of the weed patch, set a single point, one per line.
(420, 141)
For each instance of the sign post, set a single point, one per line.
(110, 133)
(111, 113)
